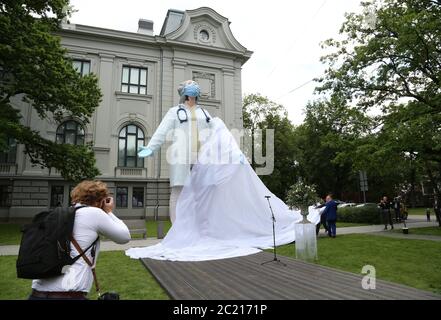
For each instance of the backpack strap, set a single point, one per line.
(87, 260)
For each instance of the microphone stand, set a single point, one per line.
(274, 237)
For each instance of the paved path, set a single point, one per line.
(12, 250)
(413, 222)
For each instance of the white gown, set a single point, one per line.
(222, 211)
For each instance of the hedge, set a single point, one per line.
(366, 214)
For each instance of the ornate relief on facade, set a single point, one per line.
(207, 83)
(204, 34)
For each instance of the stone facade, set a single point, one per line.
(194, 44)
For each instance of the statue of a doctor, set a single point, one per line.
(186, 125)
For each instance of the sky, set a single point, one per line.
(285, 36)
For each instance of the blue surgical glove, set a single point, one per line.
(144, 152)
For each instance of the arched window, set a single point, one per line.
(9, 155)
(130, 139)
(70, 132)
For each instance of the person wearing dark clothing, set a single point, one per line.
(331, 215)
(397, 209)
(437, 211)
(428, 214)
(385, 207)
(322, 220)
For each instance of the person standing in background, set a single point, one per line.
(385, 206)
(330, 213)
(397, 209)
(322, 220)
(428, 214)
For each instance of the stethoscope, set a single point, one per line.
(185, 119)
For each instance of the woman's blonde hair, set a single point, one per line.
(89, 192)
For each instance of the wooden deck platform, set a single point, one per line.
(246, 278)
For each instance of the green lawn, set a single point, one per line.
(115, 271)
(431, 231)
(10, 233)
(152, 228)
(410, 262)
(350, 224)
(420, 211)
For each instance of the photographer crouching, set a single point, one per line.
(92, 216)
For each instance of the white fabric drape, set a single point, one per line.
(222, 211)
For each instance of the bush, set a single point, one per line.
(365, 214)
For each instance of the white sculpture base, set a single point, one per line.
(306, 241)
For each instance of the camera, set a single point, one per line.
(109, 296)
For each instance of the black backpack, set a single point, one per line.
(45, 244)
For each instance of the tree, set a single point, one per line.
(261, 113)
(394, 67)
(324, 143)
(35, 67)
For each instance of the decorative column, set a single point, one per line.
(103, 115)
(178, 75)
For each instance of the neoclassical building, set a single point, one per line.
(138, 76)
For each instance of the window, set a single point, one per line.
(5, 196)
(134, 80)
(138, 197)
(130, 139)
(82, 66)
(121, 197)
(9, 155)
(70, 132)
(2, 74)
(70, 191)
(57, 196)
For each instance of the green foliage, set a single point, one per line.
(394, 67)
(261, 113)
(368, 213)
(301, 195)
(330, 131)
(35, 68)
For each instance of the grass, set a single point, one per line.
(410, 262)
(430, 231)
(350, 224)
(10, 233)
(420, 211)
(152, 228)
(115, 271)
